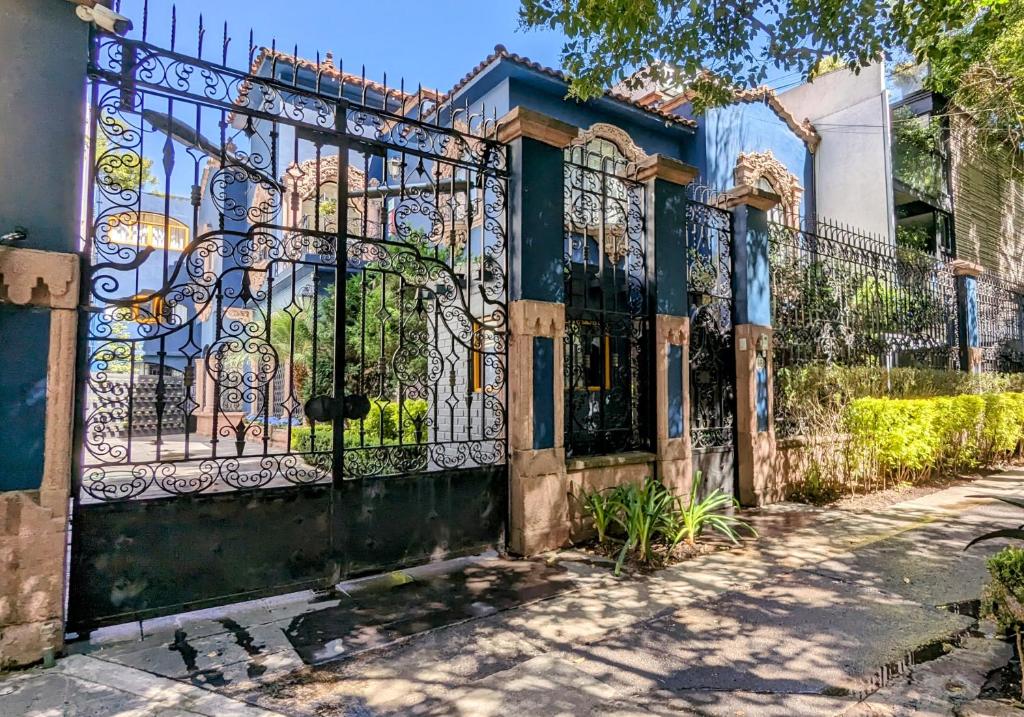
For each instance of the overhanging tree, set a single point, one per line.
(711, 47)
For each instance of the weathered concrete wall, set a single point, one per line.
(852, 174)
(988, 202)
(43, 50)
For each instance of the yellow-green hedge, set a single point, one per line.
(910, 439)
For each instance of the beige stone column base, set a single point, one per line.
(538, 489)
(674, 456)
(755, 451)
(34, 523)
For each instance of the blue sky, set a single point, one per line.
(430, 41)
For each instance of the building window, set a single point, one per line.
(608, 341)
(763, 171)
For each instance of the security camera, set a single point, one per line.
(105, 18)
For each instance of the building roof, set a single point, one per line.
(645, 92)
(502, 53)
(327, 69)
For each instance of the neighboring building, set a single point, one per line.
(852, 171)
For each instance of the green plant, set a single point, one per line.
(1004, 595)
(647, 517)
(600, 505)
(816, 488)
(708, 512)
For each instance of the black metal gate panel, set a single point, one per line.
(607, 312)
(712, 360)
(293, 355)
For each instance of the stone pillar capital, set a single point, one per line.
(524, 122)
(962, 267)
(748, 196)
(658, 166)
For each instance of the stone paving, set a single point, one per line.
(802, 621)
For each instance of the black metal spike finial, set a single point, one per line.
(273, 57)
(226, 41)
(363, 75)
(201, 34)
(252, 49)
(174, 25)
(145, 19)
(295, 65)
(384, 102)
(341, 73)
(319, 70)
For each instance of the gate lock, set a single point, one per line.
(354, 406)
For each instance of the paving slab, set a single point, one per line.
(83, 685)
(802, 633)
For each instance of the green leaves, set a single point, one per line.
(649, 517)
(912, 439)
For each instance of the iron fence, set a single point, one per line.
(844, 298)
(709, 282)
(1000, 324)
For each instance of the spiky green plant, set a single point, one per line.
(709, 512)
(641, 511)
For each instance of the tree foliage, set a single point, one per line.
(981, 69)
(975, 46)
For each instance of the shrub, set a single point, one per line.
(647, 516)
(379, 428)
(912, 439)
(1004, 595)
(817, 488)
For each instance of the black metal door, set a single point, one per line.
(712, 361)
(293, 358)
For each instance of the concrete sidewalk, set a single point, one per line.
(810, 619)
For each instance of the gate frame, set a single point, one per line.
(409, 487)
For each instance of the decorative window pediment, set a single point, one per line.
(764, 171)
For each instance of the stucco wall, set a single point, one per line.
(988, 202)
(725, 132)
(852, 163)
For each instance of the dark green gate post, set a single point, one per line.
(539, 507)
(666, 181)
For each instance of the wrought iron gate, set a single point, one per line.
(293, 361)
(712, 361)
(608, 323)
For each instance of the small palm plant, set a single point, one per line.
(708, 512)
(641, 512)
(600, 505)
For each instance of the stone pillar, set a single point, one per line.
(43, 49)
(752, 340)
(38, 290)
(539, 500)
(969, 337)
(666, 180)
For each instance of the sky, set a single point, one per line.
(433, 42)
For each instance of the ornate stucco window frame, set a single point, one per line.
(754, 166)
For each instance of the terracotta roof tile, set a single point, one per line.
(502, 53)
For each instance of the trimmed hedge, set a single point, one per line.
(379, 428)
(913, 439)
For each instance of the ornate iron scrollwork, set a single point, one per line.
(285, 217)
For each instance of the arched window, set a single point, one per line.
(763, 171)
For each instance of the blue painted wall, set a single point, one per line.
(725, 132)
(25, 332)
